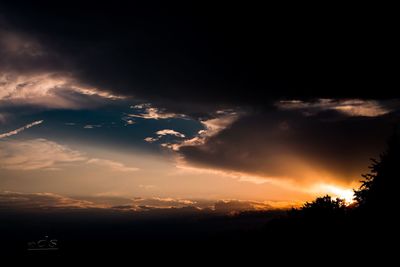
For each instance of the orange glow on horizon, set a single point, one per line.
(347, 194)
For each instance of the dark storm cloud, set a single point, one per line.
(287, 144)
(212, 55)
(33, 73)
(21, 52)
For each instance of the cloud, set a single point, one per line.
(349, 107)
(113, 165)
(151, 139)
(213, 126)
(17, 200)
(221, 120)
(146, 111)
(234, 206)
(205, 71)
(170, 132)
(36, 154)
(21, 52)
(288, 146)
(42, 154)
(49, 89)
(32, 73)
(14, 132)
(91, 126)
(128, 121)
(219, 206)
(162, 133)
(3, 118)
(15, 45)
(10, 200)
(158, 203)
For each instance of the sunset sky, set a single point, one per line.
(186, 106)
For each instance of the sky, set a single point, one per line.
(155, 105)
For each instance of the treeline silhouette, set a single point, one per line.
(375, 199)
(366, 224)
(330, 226)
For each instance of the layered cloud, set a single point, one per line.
(113, 165)
(349, 107)
(49, 89)
(36, 154)
(17, 200)
(42, 154)
(31, 73)
(291, 146)
(10, 200)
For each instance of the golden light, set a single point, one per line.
(338, 192)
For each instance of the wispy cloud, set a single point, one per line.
(14, 132)
(33, 74)
(162, 133)
(16, 200)
(222, 120)
(113, 165)
(91, 126)
(36, 154)
(51, 90)
(42, 154)
(146, 111)
(349, 107)
(128, 121)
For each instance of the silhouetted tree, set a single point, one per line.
(373, 217)
(324, 207)
(379, 189)
(325, 203)
(320, 220)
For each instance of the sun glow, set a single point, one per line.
(338, 192)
